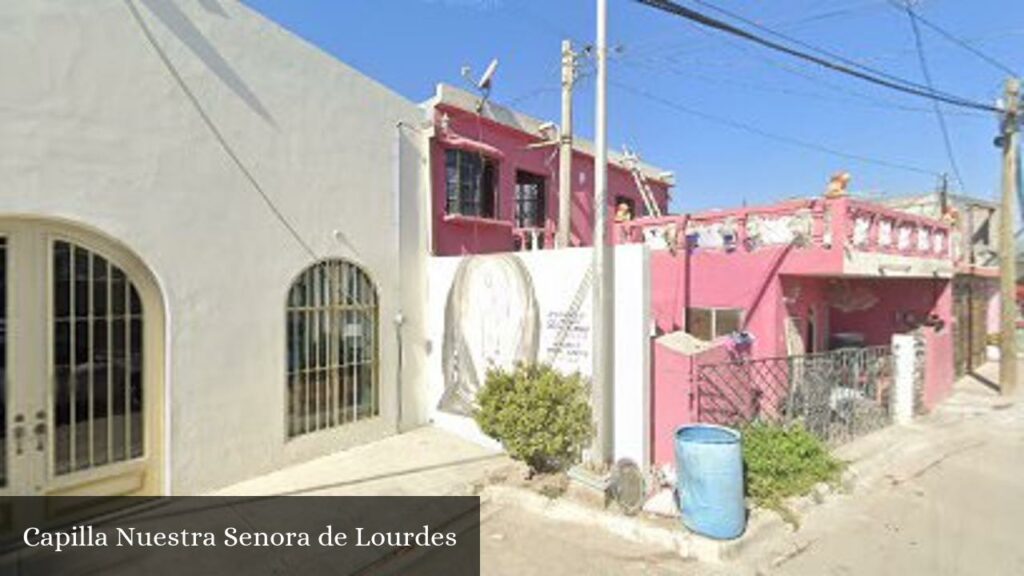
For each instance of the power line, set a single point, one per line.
(954, 39)
(788, 22)
(851, 96)
(217, 134)
(839, 57)
(846, 67)
(946, 140)
(530, 94)
(540, 91)
(766, 134)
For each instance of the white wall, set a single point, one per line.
(557, 280)
(95, 131)
(633, 354)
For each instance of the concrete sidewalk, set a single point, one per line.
(941, 496)
(422, 462)
(430, 461)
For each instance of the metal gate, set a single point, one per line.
(836, 395)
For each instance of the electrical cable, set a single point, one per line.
(784, 22)
(943, 128)
(851, 96)
(846, 67)
(766, 134)
(819, 81)
(954, 39)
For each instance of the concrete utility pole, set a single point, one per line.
(1007, 241)
(603, 385)
(944, 194)
(565, 151)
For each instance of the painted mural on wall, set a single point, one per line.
(491, 321)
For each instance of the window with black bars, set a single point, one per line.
(332, 348)
(471, 184)
(530, 200)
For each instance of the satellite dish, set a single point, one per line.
(485, 81)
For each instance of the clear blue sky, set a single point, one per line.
(410, 45)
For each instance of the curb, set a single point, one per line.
(669, 535)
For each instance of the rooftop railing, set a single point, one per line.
(839, 223)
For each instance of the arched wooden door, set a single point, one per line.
(81, 362)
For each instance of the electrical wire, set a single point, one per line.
(818, 81)
(943, 128)
(217, 134)
(796, 142)
(541, 90)
(851, 96)
(847, 61)
(845, 66)
(783, 22)
(954, 39)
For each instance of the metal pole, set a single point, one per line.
(1007, 248)
(565, 153)
(604, 272)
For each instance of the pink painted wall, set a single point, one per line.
(456, 236)
(672, 400)
(939, 371)
(896, 298)
(773, 284)
(940, 374)
(748, 280)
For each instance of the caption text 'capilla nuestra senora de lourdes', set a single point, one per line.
(90, 536)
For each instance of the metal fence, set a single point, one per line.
(836, 395)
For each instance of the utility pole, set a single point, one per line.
(1007, 247)
(603, 385)
(944, 195)
(565, 151)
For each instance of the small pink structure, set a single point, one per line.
(494, 180)
(798, 277)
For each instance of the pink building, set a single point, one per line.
(750, 300)
(798, 278)
(494, 179)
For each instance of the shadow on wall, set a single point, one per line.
(491, 320)
(172, 17)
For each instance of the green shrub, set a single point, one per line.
(541, 416)
(785, 461)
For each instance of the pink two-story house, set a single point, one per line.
(494, 179)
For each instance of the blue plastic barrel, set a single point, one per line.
(709, 478)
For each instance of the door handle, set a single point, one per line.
(40, 431)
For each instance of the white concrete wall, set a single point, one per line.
(558, 281)
(94, 130)
(633, 331)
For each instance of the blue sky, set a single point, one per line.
(410, 45)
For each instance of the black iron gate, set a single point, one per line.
(836, 395)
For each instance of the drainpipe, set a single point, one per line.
(399, 322)
(399, 318)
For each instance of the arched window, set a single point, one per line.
(332, 348)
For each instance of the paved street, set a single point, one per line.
(945, 499)
(951, 506)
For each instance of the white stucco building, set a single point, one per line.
(211, 248)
